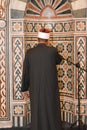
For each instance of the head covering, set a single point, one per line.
(44, 33)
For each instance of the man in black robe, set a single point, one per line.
(40, 78)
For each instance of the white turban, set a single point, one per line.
(43, 33)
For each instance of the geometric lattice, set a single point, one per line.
(33, 27)
(65, 70)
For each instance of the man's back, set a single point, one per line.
(40, 78)
(42, 62)
(43, 88)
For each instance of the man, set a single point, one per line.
(40, 78)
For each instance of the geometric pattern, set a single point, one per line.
(81, 26)
(67, 110)
(17, 66)
(19, 112)
(20, 109)
(48, 9)
(81, 80)
(17, 26)
(65, 70)
(81, 47)
(32, 27)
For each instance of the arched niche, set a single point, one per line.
(56, 15)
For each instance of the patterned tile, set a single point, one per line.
(80, 26)
(17, 26)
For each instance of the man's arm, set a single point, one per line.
(25, 74)
(59, 58)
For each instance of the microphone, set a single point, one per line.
(76, 64)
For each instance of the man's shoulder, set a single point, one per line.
(53, 48)
(30, 49)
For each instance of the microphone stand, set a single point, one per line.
(80, 123)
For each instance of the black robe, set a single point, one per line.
(40, 78)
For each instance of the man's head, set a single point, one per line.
(43, 35)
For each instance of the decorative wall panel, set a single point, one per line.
(17, 66)
(3, 93)
(48, 9)
(4, 83)
(65, 46)
(20, 108)
(62, 37)
(81, 46)
(81, 73)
